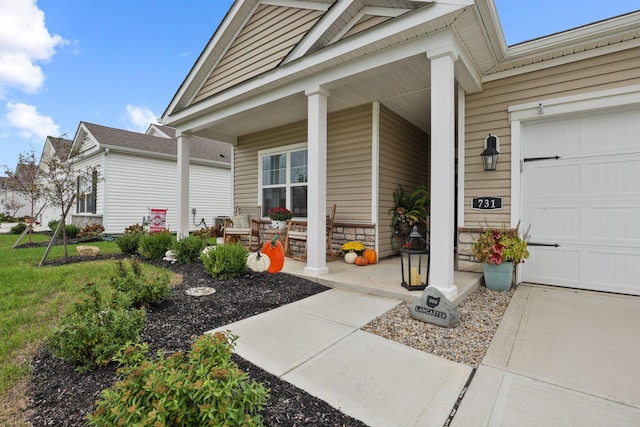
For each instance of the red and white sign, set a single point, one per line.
(158, 220)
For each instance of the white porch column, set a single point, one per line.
(184, 153)
(317, 182)
(442, 172)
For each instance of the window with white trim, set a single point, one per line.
(87, 193)
(283, 179)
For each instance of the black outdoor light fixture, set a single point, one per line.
(490, 154)
(414, 261)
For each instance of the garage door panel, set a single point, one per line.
(558, 266)
(550, 139)
(552, 178)
(548, 224)
(617, 175)
(618, 225)
(608, 133)
(613, 269)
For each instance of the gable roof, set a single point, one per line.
(61, 146)
(124, 140)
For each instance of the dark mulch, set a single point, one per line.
(60, 396)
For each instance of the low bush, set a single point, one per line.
(226, 261)
(207, 232)
(202, 387)
(135, 229)
(188, 249)
(128, 243)
(140, 289)
(90, 231)
(95, 331)
(18, 228)
(53, 224)
(71, 231)
(154, 245)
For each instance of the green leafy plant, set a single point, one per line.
(53, 224)
(140, 289)
(95, 330)
(128, 243)
(409, 207)
(71, 231)
(226, 261)
(495, 246)
(202, 387)
(207, 232)
(18, 228)
(154, 245)
(188, 249)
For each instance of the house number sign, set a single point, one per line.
(486, 203)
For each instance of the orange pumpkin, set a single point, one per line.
(361, 260)
(371, 255)
(275, 251)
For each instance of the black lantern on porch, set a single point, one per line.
(490, 154)
(415, 262)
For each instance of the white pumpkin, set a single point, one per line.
(258, 262)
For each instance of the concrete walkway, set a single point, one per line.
(560, 358)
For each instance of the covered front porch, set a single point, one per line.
(381, 279)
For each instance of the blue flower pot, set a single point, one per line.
(498, 276)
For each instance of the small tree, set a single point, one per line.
(12, 204)
(24, 181)
(60, 179)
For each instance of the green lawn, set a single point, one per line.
(33, 298)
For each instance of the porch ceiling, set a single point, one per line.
(402, 86)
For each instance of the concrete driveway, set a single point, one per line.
(560, 357)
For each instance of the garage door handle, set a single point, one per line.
(554, 245)
(536, 159)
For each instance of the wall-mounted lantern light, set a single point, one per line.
(490, 154)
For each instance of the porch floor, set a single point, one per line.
(381, 279)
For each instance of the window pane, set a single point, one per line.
(299, 201)
(299, 166)
(272, 197)
(274, 169)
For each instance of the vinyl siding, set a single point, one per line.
(348, 161)
(486, 112)
(268, 36)
(404, 160)
(156, 186)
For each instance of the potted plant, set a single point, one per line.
(500, 250)
(279, 216)
(351, 251)
(408, 209)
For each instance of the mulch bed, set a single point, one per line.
(60, 396)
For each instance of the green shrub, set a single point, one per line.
(53, 224)
(18, 228)
(189, 248)
(128, 243)
(226, 261)
(139, 288)
(92, 334)
(71, 231)
(154, 245)
(202, 387)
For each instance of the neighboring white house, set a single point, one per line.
(13, 201)
(132, 173)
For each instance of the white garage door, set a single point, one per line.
(583, 208)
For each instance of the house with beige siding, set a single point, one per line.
(132, 173)
(339, 101)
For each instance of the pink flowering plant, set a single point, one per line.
(500, 245)
(279, 213)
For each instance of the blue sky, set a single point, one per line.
(118, 63)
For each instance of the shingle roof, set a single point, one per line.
(61, 146)
(201, 148)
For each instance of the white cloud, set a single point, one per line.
(30, 123)
(24, 40)
(140, 117)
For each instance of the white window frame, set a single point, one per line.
(287, 149)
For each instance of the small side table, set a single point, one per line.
(271, 233)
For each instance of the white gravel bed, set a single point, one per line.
(480, 315)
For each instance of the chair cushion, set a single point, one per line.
(240, 221)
